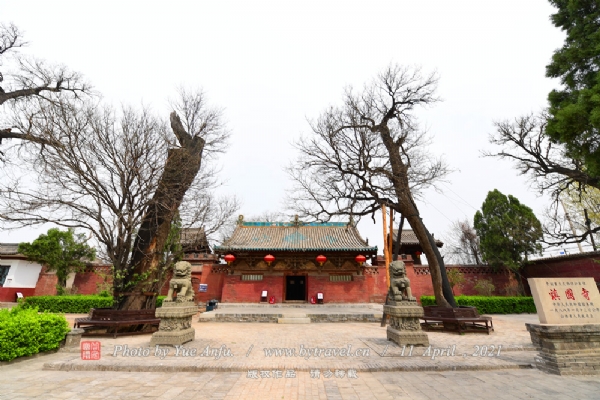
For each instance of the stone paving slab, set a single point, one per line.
(27, 383)
(333, 379)
(360, 346)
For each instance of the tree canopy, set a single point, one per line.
(575, 107)
(508, 231)
(61, 251)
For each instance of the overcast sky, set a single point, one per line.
(271, 65)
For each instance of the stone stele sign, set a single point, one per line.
(566, 300)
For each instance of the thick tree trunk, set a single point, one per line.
(408, 208)
(434, 268)
(446, 287)
(144, 274)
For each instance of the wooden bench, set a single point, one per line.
(462, 319)
(113, 319)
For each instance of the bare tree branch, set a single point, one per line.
(548, 166)
(104, 171)
(23, 78)
(368, 152)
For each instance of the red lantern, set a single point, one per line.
(229, 258)
(321, 259)
(360, 258)
(418, 254)
(269, 258)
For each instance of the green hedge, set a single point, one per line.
(491, 305)
(72, 304)
(24, 332)
(67, 304)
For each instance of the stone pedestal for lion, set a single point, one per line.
(404, 311)
(176, 315)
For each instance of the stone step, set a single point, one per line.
(293, 315)
(294, 320)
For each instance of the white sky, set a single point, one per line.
(273, 64)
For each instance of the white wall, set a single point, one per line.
(22, 273)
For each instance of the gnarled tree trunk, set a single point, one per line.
(409, 210)
(144, 274)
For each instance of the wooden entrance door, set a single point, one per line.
(295, 287)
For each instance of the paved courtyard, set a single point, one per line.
(275, 361)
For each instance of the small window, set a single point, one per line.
(340, 278)
(248, 277)
(3, 273)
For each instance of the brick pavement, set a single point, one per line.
(379, 375)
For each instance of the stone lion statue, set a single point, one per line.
(399, 283)
(181, 283)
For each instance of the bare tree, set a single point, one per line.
(462, 243)
(548, 166)
(370, 152)
(121, 176)
(22, 78)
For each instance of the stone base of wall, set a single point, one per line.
(567, 349)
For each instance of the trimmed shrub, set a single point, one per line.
(484, 287)
(72, 304)
(24, 332)
(491, 304)
(67, 304)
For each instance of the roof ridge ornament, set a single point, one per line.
(240, 221)
(296, 222)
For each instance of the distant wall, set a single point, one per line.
(585, 265)
(420, 279)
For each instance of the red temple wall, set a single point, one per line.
(367, 288)
(9, 294)
(237, 291)
(46, 284)
(214, 280)
(420, 279)
(91, 281)
(564, 267)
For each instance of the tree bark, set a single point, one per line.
(144, 274)
(446, 287)
(408, 208)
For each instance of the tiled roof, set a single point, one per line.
(194, 239)
(8, 248)
(274, 236)
(408, 237)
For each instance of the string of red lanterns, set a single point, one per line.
(269, 258)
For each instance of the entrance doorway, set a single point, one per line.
(295, 288)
